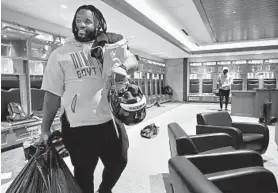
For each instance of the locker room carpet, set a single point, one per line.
(147, 167)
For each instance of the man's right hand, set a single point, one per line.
(44, 136)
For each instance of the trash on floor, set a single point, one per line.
(150, 131)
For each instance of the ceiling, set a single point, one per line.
(196, 21)
(170, 29)
(186, 14)
(238, 20)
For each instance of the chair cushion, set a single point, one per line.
(222, 149)
(221, 118)
(248, 137)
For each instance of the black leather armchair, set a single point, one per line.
(210, 152)
(254, 136)
(182, 144)
(187, 178)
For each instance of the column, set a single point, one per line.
(24, 87)
(185, 79)
(151, 84)
(146, 83)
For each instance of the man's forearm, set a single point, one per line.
(50, 107)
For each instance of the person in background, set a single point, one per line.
(74, 79)
(224, 83)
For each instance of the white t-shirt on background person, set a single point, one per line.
(225, 81)
(79, 79)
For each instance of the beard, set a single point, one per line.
(85, 36)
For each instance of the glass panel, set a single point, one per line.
(162, 81)
(13, 46)
(158, 84)
(40, 51)
(149, 84)
(142, 75)
(154, 82)
(136, 77)
(36, 67)
(11, 66)
(7, 66)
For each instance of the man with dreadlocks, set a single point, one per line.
(74, 77)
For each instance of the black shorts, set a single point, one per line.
(225, 93)
(85, 143)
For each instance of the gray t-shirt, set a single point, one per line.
(81, 81)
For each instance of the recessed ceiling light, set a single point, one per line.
(132, 36)
(63, 6)
(234, 12)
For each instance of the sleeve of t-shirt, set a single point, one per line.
(53, 78)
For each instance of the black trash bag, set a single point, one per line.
(150, 131)
(45, 172)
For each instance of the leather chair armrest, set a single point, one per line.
(245, 180)
(185, 177)
(216, 162)
(250, 127)
(254, 128)
(205, 142)
(232, 131)
(185, 146)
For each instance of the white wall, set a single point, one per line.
(174, 77)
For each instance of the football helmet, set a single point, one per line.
(127, 102)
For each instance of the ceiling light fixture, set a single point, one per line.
(63, 6)
(234, 12)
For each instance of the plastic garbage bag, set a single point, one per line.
(45, 172)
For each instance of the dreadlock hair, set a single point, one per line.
(100, 23)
